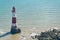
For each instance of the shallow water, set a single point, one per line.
(31, 13)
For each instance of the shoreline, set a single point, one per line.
(26, 31)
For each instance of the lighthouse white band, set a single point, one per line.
(13, 24)
(13, 15)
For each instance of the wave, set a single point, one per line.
(2, 32)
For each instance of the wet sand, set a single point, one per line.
(26, 32)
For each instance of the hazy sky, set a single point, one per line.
(31, 12)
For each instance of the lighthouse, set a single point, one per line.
(14, 28)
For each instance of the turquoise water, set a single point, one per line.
(30, 13)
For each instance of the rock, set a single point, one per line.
(15, 30)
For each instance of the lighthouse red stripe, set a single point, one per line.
(13, 20)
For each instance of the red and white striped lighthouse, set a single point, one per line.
(13, 16)
(14, 28)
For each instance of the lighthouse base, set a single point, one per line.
(15, 30)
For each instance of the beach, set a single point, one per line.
(25, 31)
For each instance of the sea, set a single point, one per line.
(29, 13)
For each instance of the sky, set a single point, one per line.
(31, 13)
